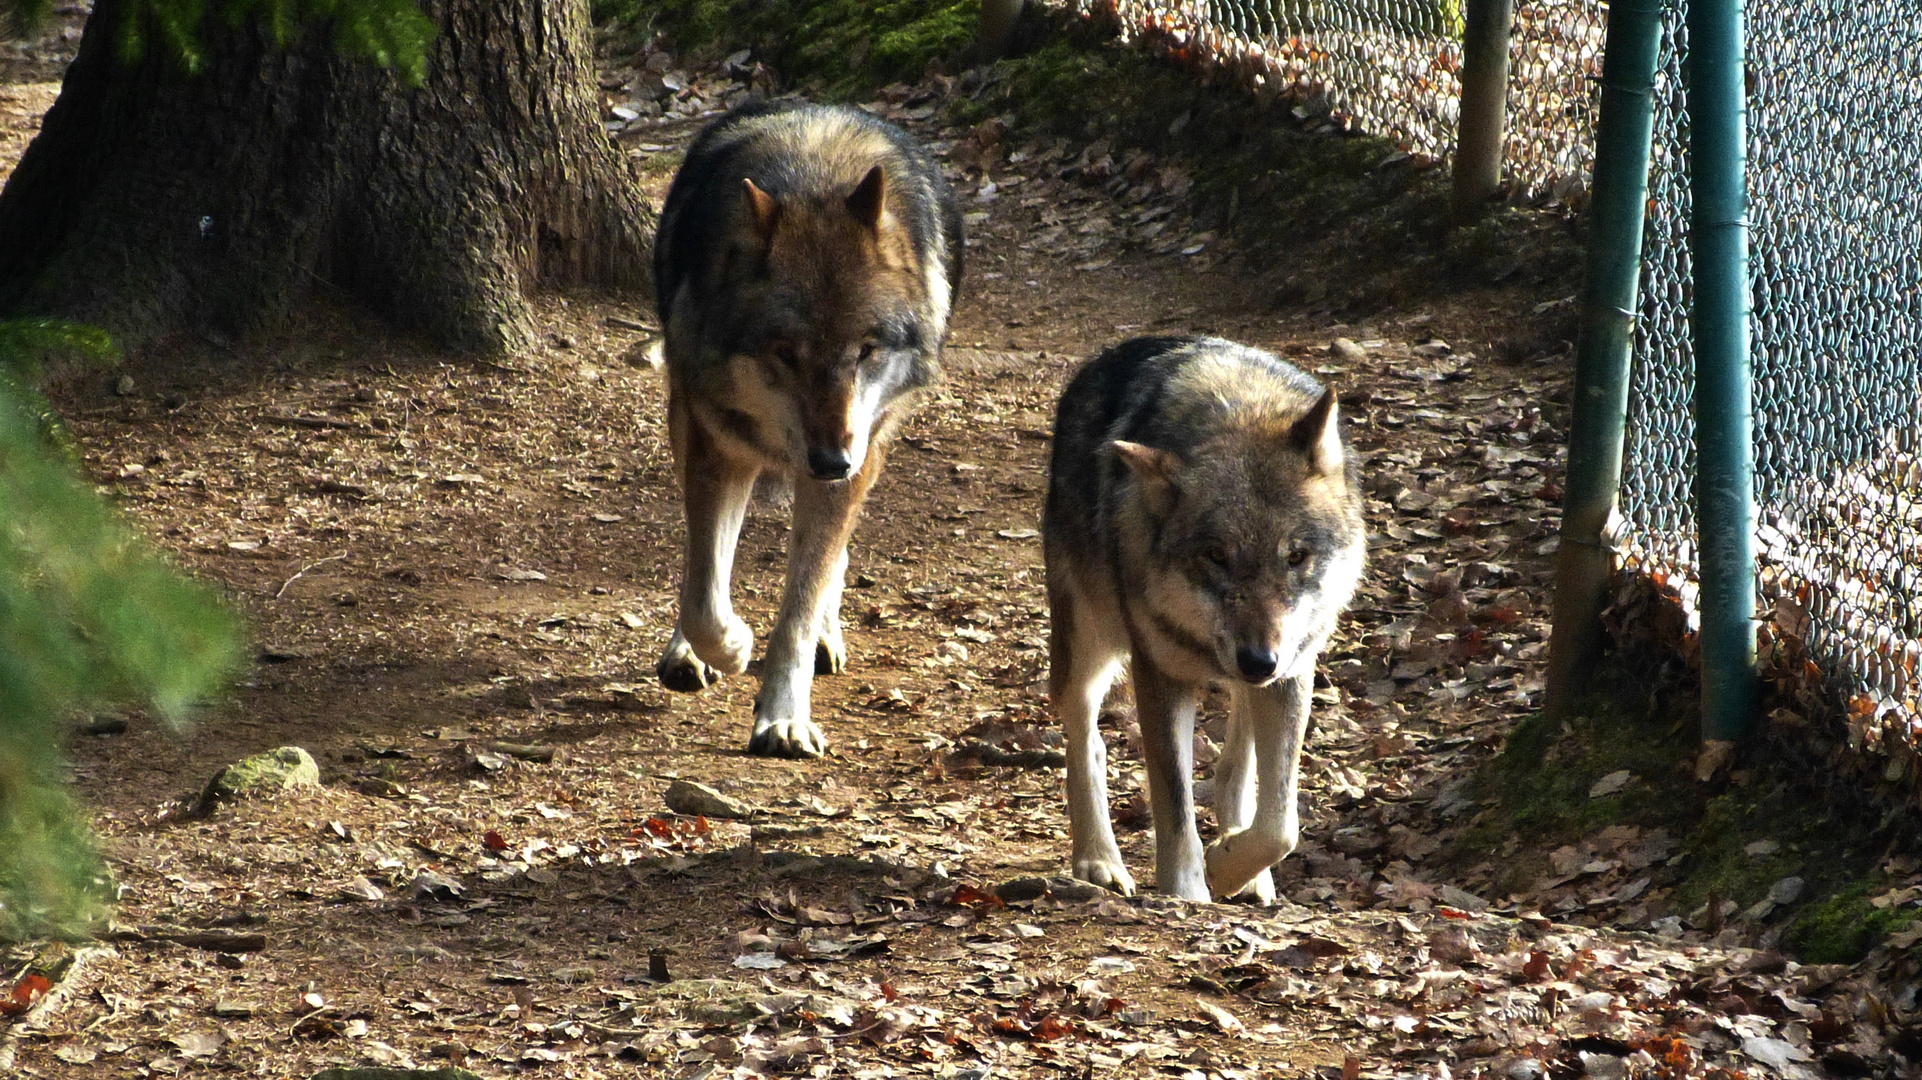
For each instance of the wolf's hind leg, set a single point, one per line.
(830, 652)
(709, 639)
(1277, 719)
(1081, 667)
(1235, 794)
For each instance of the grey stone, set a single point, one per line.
(1346, 350)
(1022, 888)
(276, 770)
(687, 797)
(1787, 891)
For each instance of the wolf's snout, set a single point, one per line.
(829, 463)
(1256, 662)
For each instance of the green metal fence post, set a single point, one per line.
(1478, 141)
(1607, 339)
(1724, 441)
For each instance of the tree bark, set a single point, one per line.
(155, 201)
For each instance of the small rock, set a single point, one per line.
(687, 797)
(1345, 349)
(361, 889)
(1074, 891)
(276, 770)
(105, 725)
(1761, 849)
(1603, 1066)
(1022, 888)
(124, 387)
(1787, 891)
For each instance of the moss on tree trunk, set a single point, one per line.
(156, 201)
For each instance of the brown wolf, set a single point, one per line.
(1203, 519)
(805, 265)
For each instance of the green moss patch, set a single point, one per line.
(833, 49)
(1842, 928)
(1766, 818)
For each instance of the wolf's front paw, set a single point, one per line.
(681, 671)
(1237, 866)
(787, 738)
(1259, 891)
(726, 646)
(1105, 871)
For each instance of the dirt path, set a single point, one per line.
(441, 557)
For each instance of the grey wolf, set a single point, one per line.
(1203, 523)
(805, 264)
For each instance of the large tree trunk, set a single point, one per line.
(155, 201)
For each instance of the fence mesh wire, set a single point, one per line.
(1835, 101)
(1393, 68)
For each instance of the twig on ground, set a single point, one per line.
(303, 573)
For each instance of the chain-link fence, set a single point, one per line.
(1392, 67)
(1835, 103)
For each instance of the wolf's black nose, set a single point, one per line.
(828, 464)
(1256, 665)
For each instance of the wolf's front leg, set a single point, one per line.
(1235, 793)
(1166, 711)
(709, 639)
(830, 651)
(1276, 719)
(824, 516)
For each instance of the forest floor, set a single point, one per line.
(459, 574)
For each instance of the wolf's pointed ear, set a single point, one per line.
(1318, 435)
(1154, 470)
(869, 198)
(763, 208)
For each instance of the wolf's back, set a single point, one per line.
(1146, 390)
(795, 149)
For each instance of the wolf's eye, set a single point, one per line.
(1216, 554)
(786, 355)
(867, 351)
(1297, 556)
